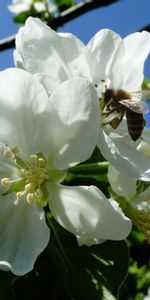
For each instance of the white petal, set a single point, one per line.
(124, 157)
(7, 170)
(23, 101)
(62, 56)
(142, 200)
(126, 70)
(122, 184)
(7, 166)
(64, 127)
(39, 6)
(103, 45)
(88, 214)
(76, 123)
(23, 234)
(19, 6)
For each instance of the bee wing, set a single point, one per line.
(141, 95)
(135, 105)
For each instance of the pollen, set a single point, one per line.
(41, 161)
(16, 150)
(5, 181)
(8, 154)
(19, 195)
(29, 187)
(34, 156)
(30, 183)
(30, 197)
(38, 193)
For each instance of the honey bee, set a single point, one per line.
(117, 103)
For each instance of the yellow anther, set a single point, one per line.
(5, 181)
(8, 154)
(30, 197)
(29, 187)
(23, 171)
(38, 193)
(16, 150)
(41, 160)
(19, 195)
(34, 156)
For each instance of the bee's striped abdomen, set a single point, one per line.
(135, 123)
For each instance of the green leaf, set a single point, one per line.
(95, 157)
(64, 4)
(66, 271)
(21, 18)
(91, 172)
(95, 272)
(146, 84)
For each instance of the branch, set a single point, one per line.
(147, 28)
(7, 43)
(78, 10)
(64, 17)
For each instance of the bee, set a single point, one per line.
(117, 103)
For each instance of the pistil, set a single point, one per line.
(32, 176)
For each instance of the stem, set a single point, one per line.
(59, 243)
(100, 167)
(65, 16)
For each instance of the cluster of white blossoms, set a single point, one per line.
(19, 6)
(51, 118)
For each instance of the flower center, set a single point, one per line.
(34, 174)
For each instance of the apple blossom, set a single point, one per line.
(136, 193)
(107, 59)
(129, 188)
(40, 138)
(19, 6)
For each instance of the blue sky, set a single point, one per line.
(124, 17)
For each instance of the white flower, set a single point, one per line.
(137, 194)
(40, 137)
(128, 188)
(19, 6)
(56, 57)
(123, 70)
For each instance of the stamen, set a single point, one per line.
(30, 197)
(29, 186)
(16, 150)
(32, 174)
(38, 193)
(5, 181)
(41, 161)
(8, 154)
(19, 195)
(34, 156)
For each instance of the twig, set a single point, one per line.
(64, 17)
(147, 28)
(7, 43)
